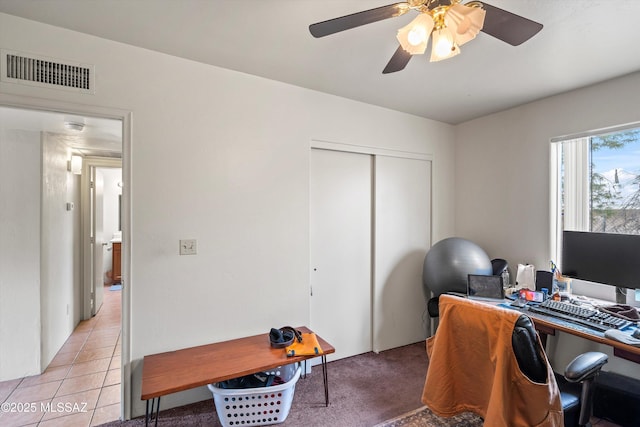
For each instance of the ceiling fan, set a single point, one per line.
(448, 22)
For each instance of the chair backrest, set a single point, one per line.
(498, 265)
(489, 360)
(529, 353)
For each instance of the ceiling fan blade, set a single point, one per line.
(508, 27)
(398, 61)
(325, 28)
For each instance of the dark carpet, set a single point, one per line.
(364, 390)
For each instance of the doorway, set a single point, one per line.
(102, 227)
(50, 118)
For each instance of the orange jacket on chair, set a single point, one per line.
(472, 367)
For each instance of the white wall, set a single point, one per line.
(39, 255)
(503, 171)
(60, 230)
(222, 157)
(503, 165)
(19, 254)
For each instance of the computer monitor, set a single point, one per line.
(612, 259)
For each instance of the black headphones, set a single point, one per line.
(284, 337)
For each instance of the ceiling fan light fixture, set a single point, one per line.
(436, 16)
(414, 37)
(443, 45)
(465, 21)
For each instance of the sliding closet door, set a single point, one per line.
(340, 249)
(402, 238)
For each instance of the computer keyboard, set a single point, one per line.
(584, 316)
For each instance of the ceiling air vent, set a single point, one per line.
(46, 72)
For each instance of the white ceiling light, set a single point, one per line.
(74, 126)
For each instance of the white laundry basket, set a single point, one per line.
(257, 406)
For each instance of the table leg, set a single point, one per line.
(544, 331)
(148, 414)
(543, 340)
(325, 379)
(157, 411)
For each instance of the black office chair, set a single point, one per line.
(577, 401)
(469, 357)
(499, 265)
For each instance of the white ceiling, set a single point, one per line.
(99, 137)
(583, 42)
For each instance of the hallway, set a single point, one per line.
(81, 386)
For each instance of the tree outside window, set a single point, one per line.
(615, 182)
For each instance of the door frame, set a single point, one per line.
(126, 117)
(87, 222)
(364, 149)
(374, 152)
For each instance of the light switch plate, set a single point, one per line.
(188, 247)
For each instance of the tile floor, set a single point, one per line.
(81, 386)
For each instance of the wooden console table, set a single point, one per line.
(174, 371)
(116, 274)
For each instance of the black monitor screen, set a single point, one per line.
(612, 259)
(485, 286)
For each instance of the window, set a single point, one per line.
(615, 182)
(596, 184)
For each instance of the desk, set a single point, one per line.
(174, 371)
(548, 325)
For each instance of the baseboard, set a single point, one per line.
(617, 399)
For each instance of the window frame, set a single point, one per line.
(578, 219)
